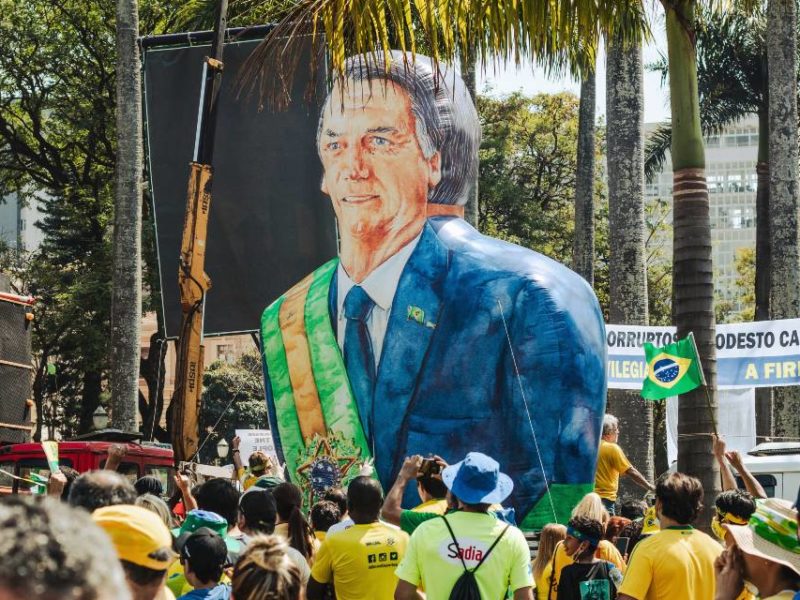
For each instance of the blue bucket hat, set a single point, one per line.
(477, 480)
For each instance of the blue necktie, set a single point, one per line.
(358, 356)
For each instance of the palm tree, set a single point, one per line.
(732, 83)
(693, 286)
(627, 264)
(126, 307)
(583, 250)
(783, 190)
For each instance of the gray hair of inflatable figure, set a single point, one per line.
(445, 116)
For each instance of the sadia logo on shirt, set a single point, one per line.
(471, 551)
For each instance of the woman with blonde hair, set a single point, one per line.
(543, 563)
(265, 571)
(590, 506)
(158, 506)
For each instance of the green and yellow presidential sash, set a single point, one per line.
(317, 416)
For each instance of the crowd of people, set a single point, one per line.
(100, 536)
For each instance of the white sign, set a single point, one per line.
(253, 440)
(758, 354)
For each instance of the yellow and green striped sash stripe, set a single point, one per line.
(310, 389)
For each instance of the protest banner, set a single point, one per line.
(254, 440)
(759, 354)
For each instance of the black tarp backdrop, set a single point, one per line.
(269, 224)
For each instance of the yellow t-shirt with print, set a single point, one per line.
(432, 560)
(611, 462)
(361, 560)
(676, 562)
(606, 551)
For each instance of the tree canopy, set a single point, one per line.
(57, 148)
(233, 398)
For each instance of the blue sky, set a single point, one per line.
(532, 81)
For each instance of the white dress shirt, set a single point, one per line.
(381, 286)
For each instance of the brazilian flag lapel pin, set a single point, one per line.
(415, 313)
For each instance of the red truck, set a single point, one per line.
(20, 460)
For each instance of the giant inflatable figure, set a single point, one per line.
(424, 336)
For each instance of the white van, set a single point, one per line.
(776, 466)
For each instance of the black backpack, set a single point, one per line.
(466, 586)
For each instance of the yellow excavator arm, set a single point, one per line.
(192, 280)
(193, 284)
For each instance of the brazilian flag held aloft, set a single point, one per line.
(672, 370)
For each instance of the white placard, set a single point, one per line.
(253, 440)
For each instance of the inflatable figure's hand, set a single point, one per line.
(367, 468)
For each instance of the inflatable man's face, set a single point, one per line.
(376, 173)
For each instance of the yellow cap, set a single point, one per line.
(136, 534)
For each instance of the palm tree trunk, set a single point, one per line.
(583, 249)
(783, 157)
(693, 286)
(627, 268)
(468, 75)
(763, 257)
(126, 307)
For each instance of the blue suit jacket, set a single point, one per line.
(512, 327)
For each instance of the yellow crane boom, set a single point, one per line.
(192, 280)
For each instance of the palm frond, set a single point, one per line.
(731, 75)
(655, 150)
(554, 33)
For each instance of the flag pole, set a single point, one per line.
(705, 384)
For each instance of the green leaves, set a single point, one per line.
(240, 382)
(557, 33)
(57, 148)
(527, 170)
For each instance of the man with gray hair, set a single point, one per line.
(611, 463)
(423, 336)
(97, 489)
(53, 551)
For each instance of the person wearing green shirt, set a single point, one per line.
(431, 490)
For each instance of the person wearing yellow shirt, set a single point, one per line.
(590, 507)
(611, 463)
(324, 515)
(542, 565)
(360, 562)
(678, 561)
(259, 465)
(732, 507)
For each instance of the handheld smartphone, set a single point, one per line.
(622, 545)
(429, 467)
